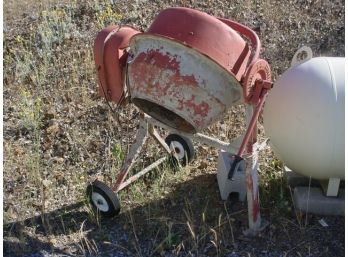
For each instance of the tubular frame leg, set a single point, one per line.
(154, 133)
(252, 186)
(133, 154)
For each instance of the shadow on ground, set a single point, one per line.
(191, 220)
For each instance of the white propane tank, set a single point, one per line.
(304, 117)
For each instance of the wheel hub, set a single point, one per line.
(178, 148)
(100, 202)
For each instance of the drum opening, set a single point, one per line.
(164, 115)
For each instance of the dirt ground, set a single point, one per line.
(59, 135)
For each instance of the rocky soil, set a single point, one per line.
(59, 135)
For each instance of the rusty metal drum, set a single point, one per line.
(186, 73)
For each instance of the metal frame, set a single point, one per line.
(238, 144)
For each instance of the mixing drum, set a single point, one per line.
(184, 73)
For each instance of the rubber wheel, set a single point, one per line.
(103, 199)
(182, 146)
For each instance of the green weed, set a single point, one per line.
(105, 15)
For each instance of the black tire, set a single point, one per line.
(183, 147)
(103, 199)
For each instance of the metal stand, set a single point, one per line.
(142, 134)
(146, 128)
(250, 185)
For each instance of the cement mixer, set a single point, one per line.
(183, 74)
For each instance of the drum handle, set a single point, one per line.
(247, 32)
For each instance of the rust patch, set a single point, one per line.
(163, 81)
(162, 73)
(199, 109)
(255, 198)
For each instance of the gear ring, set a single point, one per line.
(259, 70)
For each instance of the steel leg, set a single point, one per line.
(252, 186)
(141, 173)
(153, 132)
(133, 154)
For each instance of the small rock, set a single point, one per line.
(53, 241)
(59, 160)
(50, 114)
(46, 183)
(54, 129)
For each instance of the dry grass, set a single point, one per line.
(58, 135)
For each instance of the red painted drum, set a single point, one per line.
(183, 70)
(205, 33)
(186, 71)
